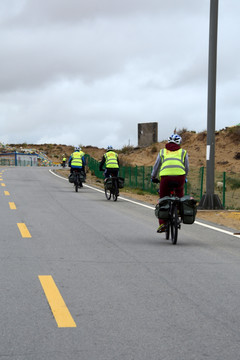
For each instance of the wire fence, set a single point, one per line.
(227, 184)
(7, 162)
(13, 162)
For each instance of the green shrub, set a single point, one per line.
(182, 131)
(234, 183)
(234, 133)
(127, 149)
(154, 149)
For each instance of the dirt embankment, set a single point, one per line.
(227, 150)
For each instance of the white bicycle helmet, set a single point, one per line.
(109, 147)
(175, 138)
(77, 148)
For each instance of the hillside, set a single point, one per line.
(227, 150)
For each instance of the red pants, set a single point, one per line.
(165, 187)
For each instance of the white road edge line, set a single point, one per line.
(152, 208)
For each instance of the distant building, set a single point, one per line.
(147, 133)
(18, 159)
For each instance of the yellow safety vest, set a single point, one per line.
(77, 158)
(172, 162)
(111, 160)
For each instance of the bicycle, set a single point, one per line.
(111, 187)
(170, 212)
(79, 177)
(174, 218)
(175, 210)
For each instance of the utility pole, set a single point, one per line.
(211, 200)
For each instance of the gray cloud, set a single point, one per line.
(37, 12)
(88, 71)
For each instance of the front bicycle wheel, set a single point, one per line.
(115, 191)
(174, 225)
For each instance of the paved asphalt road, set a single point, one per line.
(120, 289)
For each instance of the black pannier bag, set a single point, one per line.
(120, 182)
(162, 207)
(188, 209)
(108, 183)
(71, 178)
(82, 176)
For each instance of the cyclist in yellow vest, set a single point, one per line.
(64, 161)
(171, 166)
(111, 162)
(77, 161)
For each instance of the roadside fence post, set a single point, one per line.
(201, 179)
(224, 188)
(136, 175)
(143, 180)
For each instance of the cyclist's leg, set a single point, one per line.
(80, 176)
(79, 170)
(164, 188)
(107, 173)
(115, 189)
(180, 181)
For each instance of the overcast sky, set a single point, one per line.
(88, 71)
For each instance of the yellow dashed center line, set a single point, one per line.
(2, 184)
(12, 206)
(6, 193)
(56, 302)
(24, 230)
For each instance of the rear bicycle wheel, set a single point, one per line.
(174, 225)
(107, 194)
(76, 186)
